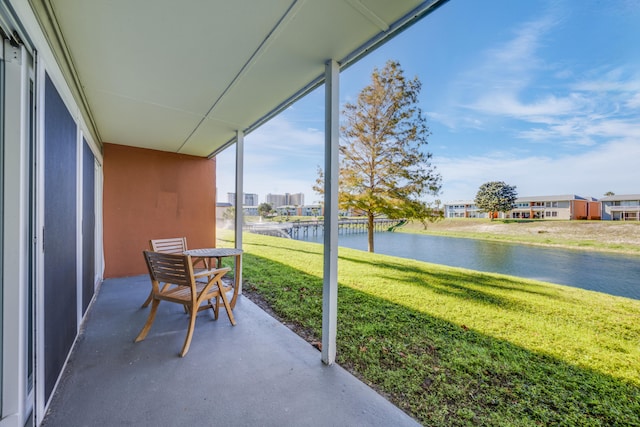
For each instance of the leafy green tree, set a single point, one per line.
(496, 196)
(229, 213)
(264, 209)
(384, 168)
(609, 193)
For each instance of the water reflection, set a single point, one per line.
(610, 273)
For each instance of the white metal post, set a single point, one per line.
(239, 202)
(15, 219)
(330, 271)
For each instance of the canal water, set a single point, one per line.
(609, 273)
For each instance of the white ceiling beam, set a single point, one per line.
(419, 12)
(369, 14)
(255, 56)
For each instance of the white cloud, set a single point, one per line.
(514, 88)
(541, 110)
(493, 86)
(607, 167)
(587, 130)
(455, 121)
(633, 101)
(281, 136)
(618, 79)
(510, 66)
(279, 158)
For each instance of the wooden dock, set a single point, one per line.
(299, 229)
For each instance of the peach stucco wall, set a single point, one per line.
(152, 194)
(584, 209)
(579, 209)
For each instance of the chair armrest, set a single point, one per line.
(207, 273)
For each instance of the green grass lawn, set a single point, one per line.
(458, 347)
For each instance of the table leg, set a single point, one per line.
(237, 273)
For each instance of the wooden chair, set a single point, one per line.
(172, 269)
(174, 245)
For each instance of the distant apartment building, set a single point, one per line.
(311, 210)
(287, 199)
(251, 199)
(276, 200)
(463, 209)
(621, 208)
(538, 207)
(248, 199)
(250, 210)
(288, 210)
(221, 208)
(556, 207)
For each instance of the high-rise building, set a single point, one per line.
(286, 199)
(249, 199)
(276, 200)
(295, 199)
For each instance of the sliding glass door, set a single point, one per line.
(17, 228)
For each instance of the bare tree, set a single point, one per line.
(384, 169)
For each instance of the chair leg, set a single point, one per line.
(227, 307)
(192, 325)
(148, 300)
(152, 315)
(216, 309)
(213, 307)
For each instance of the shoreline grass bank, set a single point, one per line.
(604, 236)
(457, 347)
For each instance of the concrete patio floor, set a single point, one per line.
(258, 373)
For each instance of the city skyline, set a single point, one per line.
(542, 95)
(275, 200)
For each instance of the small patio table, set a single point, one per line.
(218, 254)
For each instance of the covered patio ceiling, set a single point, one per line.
(184, 76)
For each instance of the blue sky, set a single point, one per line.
(544, 95)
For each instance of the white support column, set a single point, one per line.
(331, 167)
(79, 228)
(239, 201)
(15, 217)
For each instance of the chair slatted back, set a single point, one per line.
(176, 245)
(170, 268)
